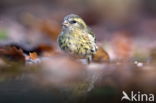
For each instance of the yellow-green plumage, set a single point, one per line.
(76, 38)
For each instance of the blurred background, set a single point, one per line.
(104, 16)
(30, 64)
(32, 22)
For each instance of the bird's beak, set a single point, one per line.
(65, 23)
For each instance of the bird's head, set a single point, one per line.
(73, 22)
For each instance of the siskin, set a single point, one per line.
(76, 38)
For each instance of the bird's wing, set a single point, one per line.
(91, 33)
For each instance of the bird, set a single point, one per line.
(76, 38)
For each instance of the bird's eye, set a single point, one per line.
(73, 22)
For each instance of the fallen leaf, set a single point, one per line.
(12, 54)
(101, 55)
(33, 55)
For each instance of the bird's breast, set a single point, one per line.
(78, 44)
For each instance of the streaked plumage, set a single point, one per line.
(76, 38)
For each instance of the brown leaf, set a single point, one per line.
(12, 53)
(101, 55)
(44, 47)
(33, 55)
(48, 50)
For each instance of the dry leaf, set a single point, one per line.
(101, 55)
(47, 50)
(33, 55)
(12, 53)
(44, 47)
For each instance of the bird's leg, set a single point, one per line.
(89, 58)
